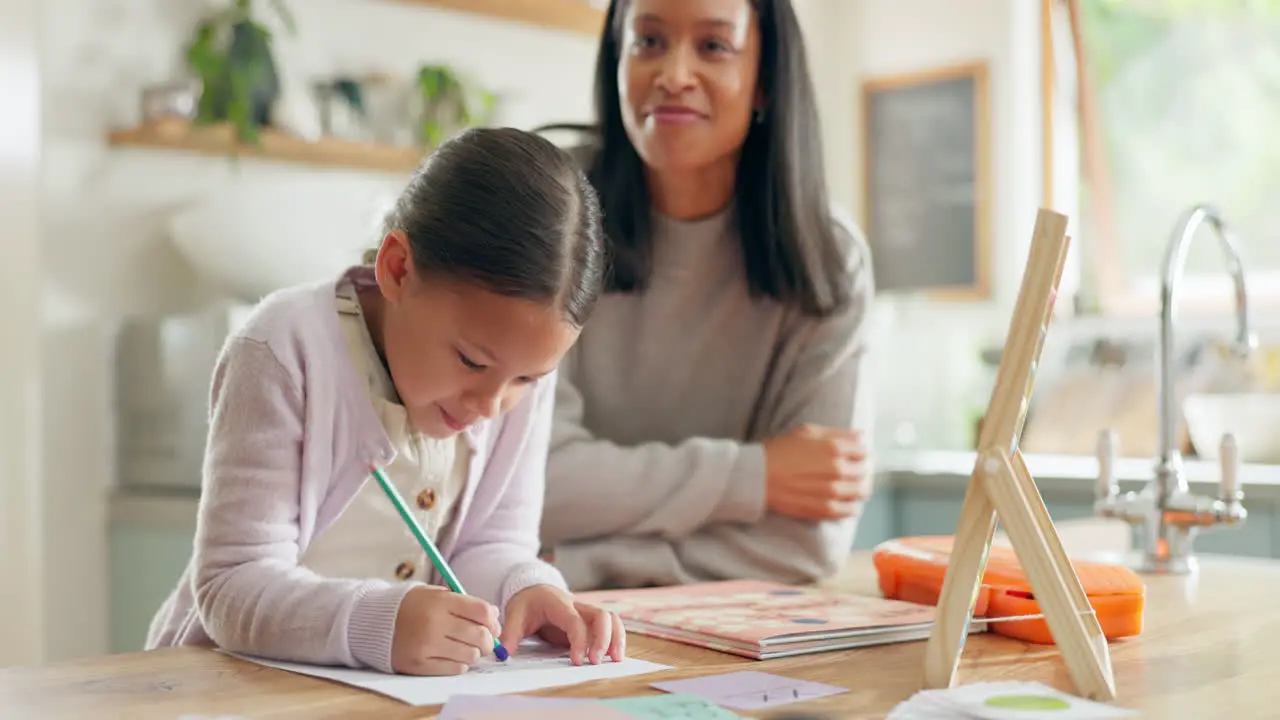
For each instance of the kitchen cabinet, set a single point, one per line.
(915, 497)
(149, 542)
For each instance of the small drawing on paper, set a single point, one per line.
(779, 695)
(529, 656)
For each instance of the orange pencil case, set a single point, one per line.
(912, 569)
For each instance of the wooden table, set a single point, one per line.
(1211, 648)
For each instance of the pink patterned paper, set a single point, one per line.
(750, 611)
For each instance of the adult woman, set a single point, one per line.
(705, 422)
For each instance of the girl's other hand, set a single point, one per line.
(590, 632)
(815, 473)
(439, 632)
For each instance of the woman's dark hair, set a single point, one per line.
(783, 213)
(511, 212)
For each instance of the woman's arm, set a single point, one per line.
(597, 488)
(251, 594)
(777, 548)
(501, 559)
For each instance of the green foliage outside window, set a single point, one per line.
(1188, 95)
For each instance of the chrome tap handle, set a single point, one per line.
(1229, 458)
(1108, 485)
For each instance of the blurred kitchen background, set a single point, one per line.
(137, 224)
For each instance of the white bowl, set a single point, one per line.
(1254, 419)
(255, 236)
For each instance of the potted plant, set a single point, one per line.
(448, 104)
(230, 54)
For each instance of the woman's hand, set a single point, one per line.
(439, 632)
(815, 473)
(589, 632)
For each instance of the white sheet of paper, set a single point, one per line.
(1012, 701)
(536, 666)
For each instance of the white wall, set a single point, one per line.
(937, 343)
(21, 602)
(103, 211)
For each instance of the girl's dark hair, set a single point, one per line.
(783, 213)
(509, 211)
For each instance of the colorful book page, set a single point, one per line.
(751, 611)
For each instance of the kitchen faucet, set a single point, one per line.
(1166, 512)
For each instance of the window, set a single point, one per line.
(1180, 105)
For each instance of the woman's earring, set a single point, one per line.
(757, 116)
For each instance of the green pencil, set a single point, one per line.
(427, 546)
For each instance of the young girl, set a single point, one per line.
(437, 364)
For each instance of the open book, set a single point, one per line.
(764, 620)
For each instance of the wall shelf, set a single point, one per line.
(219, 140)
(576, 16)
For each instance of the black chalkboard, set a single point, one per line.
(926, 181)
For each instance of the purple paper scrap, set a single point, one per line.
(460, 707)
(749, 690)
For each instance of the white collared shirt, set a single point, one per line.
(369, 539)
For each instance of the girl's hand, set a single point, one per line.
(439, 632)
(589, 632)
(815, 473)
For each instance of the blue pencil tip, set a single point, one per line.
(501, 652)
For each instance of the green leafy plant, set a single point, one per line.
(230, 54)
(448, 104)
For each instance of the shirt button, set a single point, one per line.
(404, 570)
(427, 499)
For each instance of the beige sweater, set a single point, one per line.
(656, 473)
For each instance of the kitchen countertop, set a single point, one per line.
(1208, 649)
(1068, 467)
